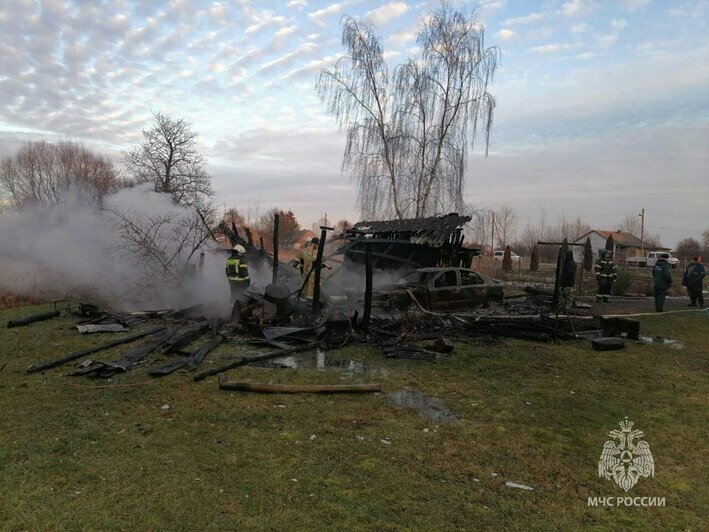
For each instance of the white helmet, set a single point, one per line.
(240, 249)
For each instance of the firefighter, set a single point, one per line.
(237, 272)
(306, 258)
(662, 275)
(606, 274)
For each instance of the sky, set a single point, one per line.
(602, 105)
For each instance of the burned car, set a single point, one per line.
(439, 289)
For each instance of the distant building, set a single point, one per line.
(295, 240)
(625, 245)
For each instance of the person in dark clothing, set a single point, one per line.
(693, 279)
(606, 274)
(568, 280)
(662, 274)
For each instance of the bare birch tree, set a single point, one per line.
(408, 135)
(41, 172)
(169, 159)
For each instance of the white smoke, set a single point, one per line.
(132, 253)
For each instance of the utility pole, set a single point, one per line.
(642, 232)
(492, 236)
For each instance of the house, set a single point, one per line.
(624, 245)
(295, 240)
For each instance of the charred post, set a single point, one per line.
(317, 268)
(276, 221)
(367, 287)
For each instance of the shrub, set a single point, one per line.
(623, 282)
(534, 261)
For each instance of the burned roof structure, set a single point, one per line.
(410, 243)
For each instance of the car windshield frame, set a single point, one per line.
(415, 277)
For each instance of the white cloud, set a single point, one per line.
(297, 3)
(572, 7)
(579, 28)
(264, 21)
(526, 19)
(318, 16)
(551, 48)
(675, 12)
(619, 23)
(402, 37)
(218, 11)
(586, 55)
(634, 5)
(607, 40)
(387, 12)
(285, 31)
(505, 34)
(304, 50)
(491, 5)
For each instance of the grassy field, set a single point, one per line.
(77, 455)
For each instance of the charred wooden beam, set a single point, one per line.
(184, 339)
(130, 360)
(242, 361)
(195, 359)
(78, 354)
(225, 384)
(42, 316)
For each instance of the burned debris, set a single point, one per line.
(437, 301)
(408, 244)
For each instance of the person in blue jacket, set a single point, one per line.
(662, 274)
(693, 280)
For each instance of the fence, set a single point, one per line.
(631, 280)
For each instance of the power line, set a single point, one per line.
(671, 228)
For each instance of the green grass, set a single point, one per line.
(110, 458)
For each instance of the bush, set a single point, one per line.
(623, 282)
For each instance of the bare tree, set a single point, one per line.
(160, 245)
(233, 216)
(630, 224)
(287, 223)
(688, 247)
(169, 159)
(477, 231)
(41, 172)
(407, 138)
(652, 241)
(506, 221)
(342, 225)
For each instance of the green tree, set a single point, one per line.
(534, 260)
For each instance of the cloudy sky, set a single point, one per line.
(603, 106)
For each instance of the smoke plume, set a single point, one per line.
(138, 250)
